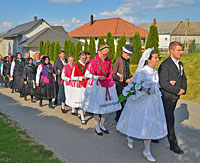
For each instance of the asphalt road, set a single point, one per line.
(75, 143)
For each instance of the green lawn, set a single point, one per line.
(17, 146)
(191, 64)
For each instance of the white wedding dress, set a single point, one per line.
(143, 117)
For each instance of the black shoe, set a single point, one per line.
(105, 131)
(63, 110)
(12, 91)
(21, 95)
(40, 103)
(99, 134)
(83, 122)
(155, 141)
(25, 98)
(73, 113)
(33, 101)
(50, 106)
(116, 119)
(176, 149)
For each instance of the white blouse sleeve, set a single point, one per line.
(63, 77)
(2, 68)
(79, 78)
(39, 70)
(12, 68)
(91, 76)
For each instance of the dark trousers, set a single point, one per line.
(119, 88)
(169, 107)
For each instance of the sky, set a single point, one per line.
(74, 13)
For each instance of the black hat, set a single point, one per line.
(128, 49)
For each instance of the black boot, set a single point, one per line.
(40, 103)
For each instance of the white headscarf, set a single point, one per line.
(144, 57)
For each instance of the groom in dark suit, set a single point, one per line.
(173, 83)
(58, 66)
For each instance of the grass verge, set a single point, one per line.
(17, 146)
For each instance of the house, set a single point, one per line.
(165, 30)
(99, 28)
(187, 31)
(26, 37)
(1, 44)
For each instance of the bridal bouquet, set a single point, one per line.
(136, 90)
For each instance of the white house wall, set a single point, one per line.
(164, 41)
(35, 30)
(8, 46)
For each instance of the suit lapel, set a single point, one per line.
(175, 68)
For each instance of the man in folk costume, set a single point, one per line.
(16, 73)
(100, 95)
(66, 78)
(58, 66)
(78, 83)
(122, 75)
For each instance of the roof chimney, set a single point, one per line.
(186, 23)
(91, 20)
(154, 21)
(35, 18)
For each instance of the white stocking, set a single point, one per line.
(63, 105)
(82, 114)
(147, 146)
(96, 120)
(103, 119)
(73, 109)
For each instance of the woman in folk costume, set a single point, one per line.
(100, 96)
(29, 79)
(45, 82)
(5, 69)
(143, 116)
(78, 83)
(16, 73)
(64, 93)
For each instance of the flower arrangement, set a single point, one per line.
(136, 89)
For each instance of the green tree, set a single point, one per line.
(57, 49)
(86, 46)
(92, 47)
(120, 43)
(41, 47)
(51, 51)
(153, 39)
(78, 48)
(47, 47)
(110, 42)
(44, 48)
(66, 48)
(192, 47)
(101, 42)
(68, 52)
(137, 46)
(73, 51)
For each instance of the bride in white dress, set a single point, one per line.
(143, 116)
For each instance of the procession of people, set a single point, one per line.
(144, 102)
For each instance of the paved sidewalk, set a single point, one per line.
(76, 143)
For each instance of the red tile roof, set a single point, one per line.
(116, 26)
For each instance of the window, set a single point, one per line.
(165, 38)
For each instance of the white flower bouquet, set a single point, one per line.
(136, 89)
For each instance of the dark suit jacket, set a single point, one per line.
(58, 65)
(168, 71)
